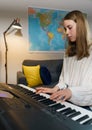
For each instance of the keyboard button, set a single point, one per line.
(68, 112)
(65, 110)
(74, 114)
(82, 118)
(47, 102)
(88, 122)
(39, 97)
(57, 106)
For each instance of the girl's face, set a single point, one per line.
(70, 30)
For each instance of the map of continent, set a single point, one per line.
(46, 32)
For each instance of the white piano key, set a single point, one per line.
(45, 95)
(33, 90)
(26, 87)
(53, 104)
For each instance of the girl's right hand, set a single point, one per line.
(46, 90)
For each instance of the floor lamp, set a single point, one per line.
(16, 25)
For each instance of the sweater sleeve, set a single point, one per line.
(81, 95)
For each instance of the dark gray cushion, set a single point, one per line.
(45, 75)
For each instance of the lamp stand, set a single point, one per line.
(16, 24)
(6, 50)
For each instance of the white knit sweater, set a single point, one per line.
(77, 74)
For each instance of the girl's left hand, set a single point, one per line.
(62, 95)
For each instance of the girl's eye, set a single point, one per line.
(70, 28)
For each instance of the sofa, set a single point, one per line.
(54, 66)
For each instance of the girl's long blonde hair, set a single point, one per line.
(80, 47)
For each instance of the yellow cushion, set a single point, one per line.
(32, 74)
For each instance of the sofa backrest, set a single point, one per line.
(54, 66)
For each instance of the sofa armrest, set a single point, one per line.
(21, 79)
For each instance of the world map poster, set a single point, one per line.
(46, 32)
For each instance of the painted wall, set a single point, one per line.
(18, 47)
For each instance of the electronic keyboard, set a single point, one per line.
(27, 110)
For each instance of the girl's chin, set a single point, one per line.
(71, 40)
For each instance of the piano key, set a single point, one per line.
(65, 110)
(82, 118)
(29, 93)
(35, 95)
(74, 114)
(69, 112)
(84, 121)
(57, 106)
(39, 98)
(47, 102)
(26, 87)
(77, 117)
(45, 95)
(88, 122)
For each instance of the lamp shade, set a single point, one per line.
(16, 24)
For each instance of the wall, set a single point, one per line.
(90, 24)
(18, 47)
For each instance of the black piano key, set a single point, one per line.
(42, 100)
(34, 95)
(47, 101)
(39, 97)
(65, 110)
(68, 112)
(82, 118)
(30, 93)
(57, 106)
(88, 122)
(74, 114)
